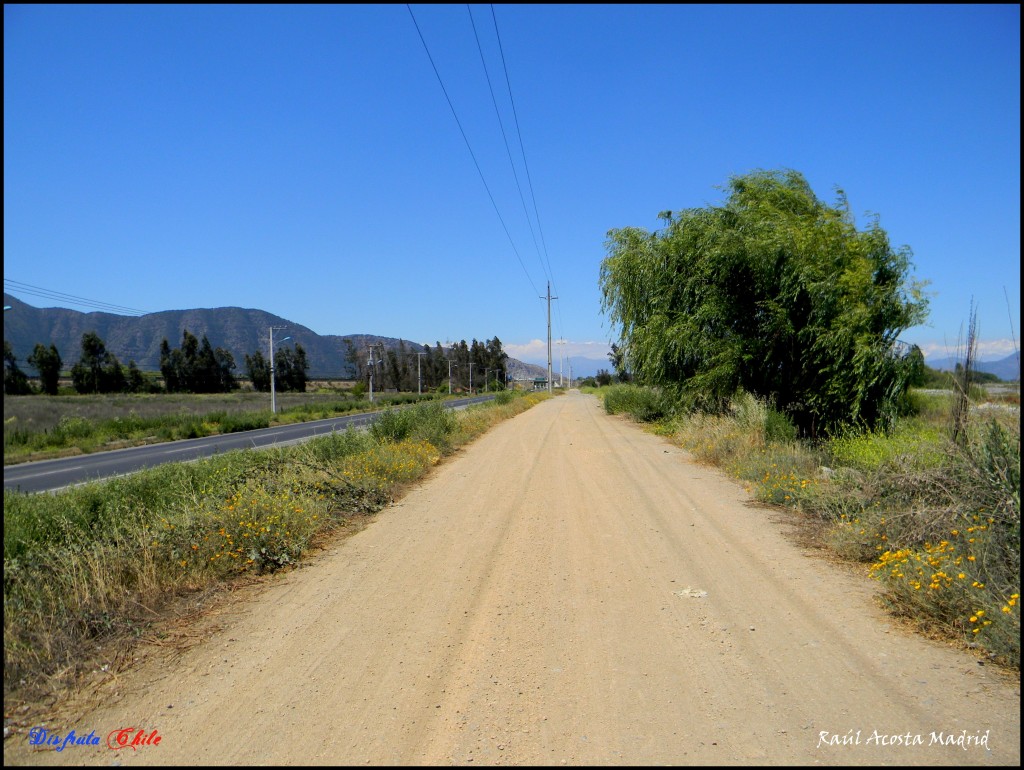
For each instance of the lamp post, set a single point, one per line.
(371, 364)
(450, 375)
(273, 400)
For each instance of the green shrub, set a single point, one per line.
(642, 403)
(435, 423)
(393, 425)
(73, 428)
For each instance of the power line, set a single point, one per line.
(526, 165)
(504, 137)
(38, 291)
(469, 147)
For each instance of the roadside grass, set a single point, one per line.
(936, 523)
(100, 561)
(44, 427)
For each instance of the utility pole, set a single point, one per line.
(419, 373)
(273, 400)
(450, 375)
(549, 298)
(372, 366)
(471, 378)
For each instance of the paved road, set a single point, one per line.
(567, 590)
(47, 475)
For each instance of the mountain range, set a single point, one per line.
(241, 331)
(1007, 369)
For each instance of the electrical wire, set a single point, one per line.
(470, 148)
(508, 150)
(526, 165)
(522, 149)
(38, 291)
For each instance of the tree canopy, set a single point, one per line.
(196, 367)
(97, 370)
(774, 293)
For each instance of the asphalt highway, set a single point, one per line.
(49, 475)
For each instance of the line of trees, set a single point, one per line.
(405, 368)
(195, 367)
(290, 367)
(97, 370)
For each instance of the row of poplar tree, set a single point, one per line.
(403, 368)
(195, 367)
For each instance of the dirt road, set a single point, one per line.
(567, 590)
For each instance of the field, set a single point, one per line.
(43, 427)
(39, 413)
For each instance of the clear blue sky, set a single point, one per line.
(304, 160)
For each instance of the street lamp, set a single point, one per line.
(450, 374)
(273, 399)
(371, 364)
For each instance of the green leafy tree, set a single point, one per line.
(135, 380)
(225, 368)
(773, 292)
(196, 367)
(438, 366)
(917, 370)
(290, 367)
(206, 371)
(170, 365)
(46, 361)
(496, 361)
(258, 369)
(617, 358)
(187, 361)
(15, 380)
(97, 370)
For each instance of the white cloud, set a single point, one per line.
(531, 349)
(986, 349)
